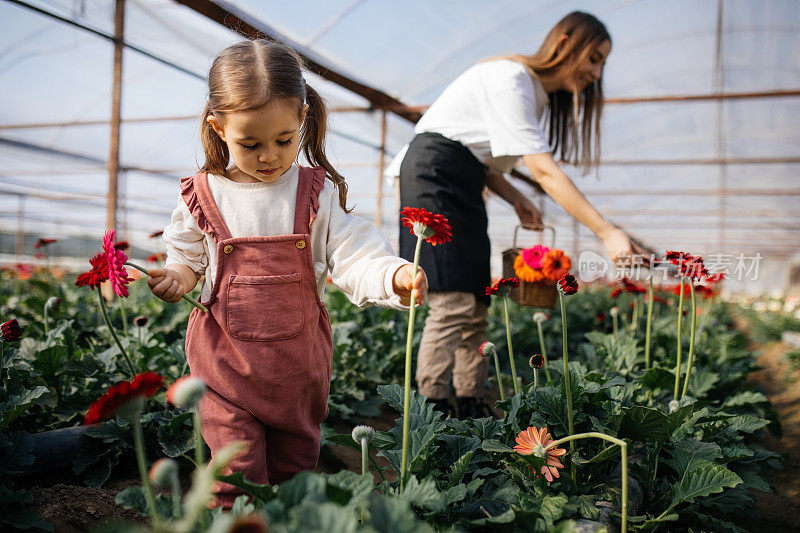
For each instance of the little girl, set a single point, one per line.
(265, 232)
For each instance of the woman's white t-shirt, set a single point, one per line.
(495, 109)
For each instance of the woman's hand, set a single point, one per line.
(529, 216)
(167, 284)
(619, 246)
(404, 287)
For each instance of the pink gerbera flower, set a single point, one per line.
(116, 264)
(533, 255)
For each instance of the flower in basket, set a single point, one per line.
(555, 264)
(534, 441)
(503, 287)
(533, 256)
(123, 395)
(434, 228)
(525, 272)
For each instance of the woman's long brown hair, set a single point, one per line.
(246, 76)
(574, 120)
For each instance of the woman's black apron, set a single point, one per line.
(443, 176)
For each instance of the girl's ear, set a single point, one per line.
(561, 42)
(218, 129)
(303, 111)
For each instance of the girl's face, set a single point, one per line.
(263, 143)
(589, 70)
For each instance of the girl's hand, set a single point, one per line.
(529, 216)
(167, 284)
(405, 288)
(619, 246)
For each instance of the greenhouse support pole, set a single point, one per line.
(381, 157)
(116, 97)
(19, 244)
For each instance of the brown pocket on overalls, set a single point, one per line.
(264, 308)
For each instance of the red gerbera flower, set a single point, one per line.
(616, 292)
(533, 441)
(97, 275)
(715, 278)
(10, 330)
(116, 261)
(121, 245)
(632, 287)
(434, 228)
(503, 287)
(43, 242)
(568, 284)
(143, 386)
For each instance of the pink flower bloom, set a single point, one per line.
(533, 441)
(116, 265)
(533, 256)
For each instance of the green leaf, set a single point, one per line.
(324, 517)
(708, 479)
(657, 379)
(17, 404)
(393, 515)
(418, 405)
(455, 494)
(358, 487)
(718, 525)
(701, 382)
(745, 398)
(264, 493)
(745, 423)
(644, 424)
(460, 468)
(550, 508)
(423, 494)
(689, 453)
(134, 498)
(494, 445)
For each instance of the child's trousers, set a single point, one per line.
(264, 347)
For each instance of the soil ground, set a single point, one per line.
(72, 508)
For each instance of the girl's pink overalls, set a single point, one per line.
(264, 347)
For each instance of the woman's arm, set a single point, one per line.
(529, 216)
(561, 189)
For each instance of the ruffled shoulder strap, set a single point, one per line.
(317, 184)
(310, 184)
(197, 197)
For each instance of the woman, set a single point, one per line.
(478, 128)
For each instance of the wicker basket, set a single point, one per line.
(540, 294)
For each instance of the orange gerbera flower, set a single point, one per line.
(525, 273)
(555, 264)
(533, 441)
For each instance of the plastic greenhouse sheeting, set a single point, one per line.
(662, 172)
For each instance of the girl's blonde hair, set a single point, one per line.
(574, 143)
(246, 76)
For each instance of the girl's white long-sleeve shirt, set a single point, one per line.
(360, 260)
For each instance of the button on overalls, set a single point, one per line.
(264, 347)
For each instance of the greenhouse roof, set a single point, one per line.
(700, 142)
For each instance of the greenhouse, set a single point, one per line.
(399, 266)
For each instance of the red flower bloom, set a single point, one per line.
(97, 275)
(121, 245)
(658, 299)
(616, 292)
(568, 284)
(23, 271)
(715, 278)
(155, 257)
(10, 330)
(143, 386)
(503, 287)
(156, 234)
(116, 269)
(434, 228)
(43, 242)
(629, 286)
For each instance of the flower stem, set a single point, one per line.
(649, 323)
(691, 342)
(407, 380)
(176, 495)
(499, 377)
(114, 334)
(148, 490)
(678, 363)
(199, 452)
(635, 315)
(185, 296)
(124, 315)
(616, 325)
(544, 351)
(46, 329)
(535, 378)
(567, 384)
(364, 470)
(623, 449)
(510, 348)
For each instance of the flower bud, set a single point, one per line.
(540, 317)
(162, 472)
(567, 284)
(140, 321)
(54, 303)
(186, 392)
(487, 349)
(536, 361)
(614, 311)
(673, 406)
(363, 432)
(10, 330)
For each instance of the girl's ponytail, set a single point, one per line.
(215, 150)
(312, 142)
